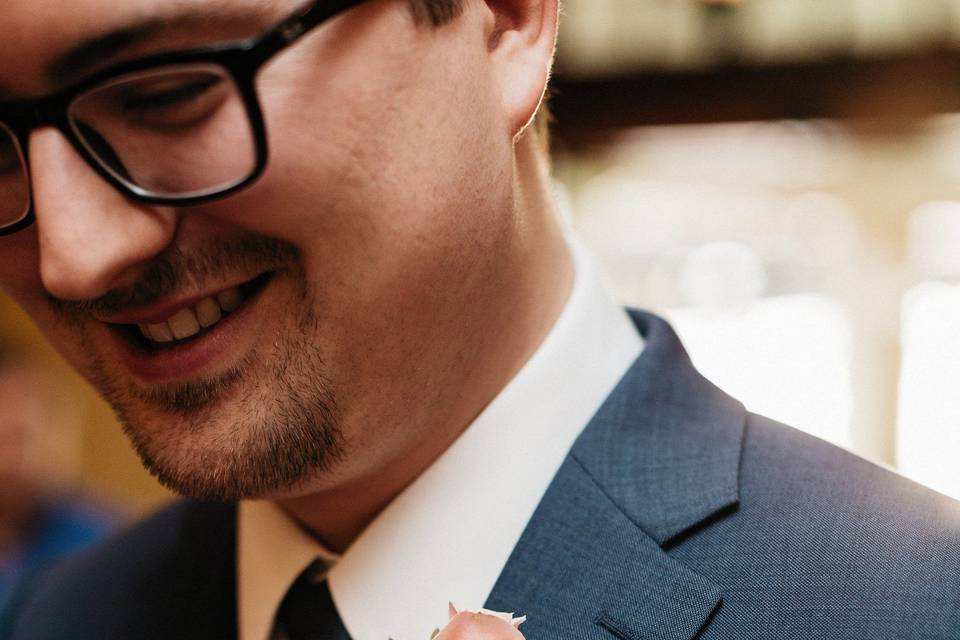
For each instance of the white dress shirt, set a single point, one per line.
(448, 536)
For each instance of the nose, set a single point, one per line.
(91, 237)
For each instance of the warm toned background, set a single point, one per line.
(111, 472)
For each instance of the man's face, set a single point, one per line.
(353, 280)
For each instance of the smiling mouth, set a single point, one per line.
(193, 322)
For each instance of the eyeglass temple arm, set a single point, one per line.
(294, 27)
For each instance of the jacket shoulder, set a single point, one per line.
(809, 479)
(145, 582)
(820, 534)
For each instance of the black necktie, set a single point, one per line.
(307, 611)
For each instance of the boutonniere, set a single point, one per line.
(479, 625)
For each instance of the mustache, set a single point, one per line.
(175, 270)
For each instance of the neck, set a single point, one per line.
(510, 319)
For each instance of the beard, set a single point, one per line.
(287, 426)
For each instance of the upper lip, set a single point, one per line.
(162, 310)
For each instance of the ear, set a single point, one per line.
(522, 42)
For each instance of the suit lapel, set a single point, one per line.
(660, 457)
(582, 570)
(189, 590)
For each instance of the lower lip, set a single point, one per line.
(216, 349)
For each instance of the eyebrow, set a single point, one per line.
(82, 57)
(100, 49)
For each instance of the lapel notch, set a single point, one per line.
(586, 571)
(666, 445)
(660, 457)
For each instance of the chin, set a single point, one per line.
(232, 448)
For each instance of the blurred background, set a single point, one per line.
(781, 178)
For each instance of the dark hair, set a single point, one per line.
(440, 12)
(436, 12)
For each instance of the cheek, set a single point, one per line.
(388, 173)
(20, 281)
(373, 140)
(20, 276)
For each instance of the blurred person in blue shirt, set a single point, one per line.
(42, 518)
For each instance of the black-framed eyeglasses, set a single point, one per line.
(176, 128)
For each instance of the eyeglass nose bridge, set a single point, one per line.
(28, 116)
(40, 113)
(52, 112)
(43, 115)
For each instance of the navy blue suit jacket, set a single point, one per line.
(676, 515)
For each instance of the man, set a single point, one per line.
(378, 341)
(41, 516)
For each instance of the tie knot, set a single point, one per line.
(307, 611)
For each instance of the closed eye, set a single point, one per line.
(179, 94)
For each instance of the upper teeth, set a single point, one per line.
(188, 322)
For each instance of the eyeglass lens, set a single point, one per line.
(179, 131)
(14, 182)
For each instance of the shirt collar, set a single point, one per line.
(437, 541)
(272, 550)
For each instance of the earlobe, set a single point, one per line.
(521, 45)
